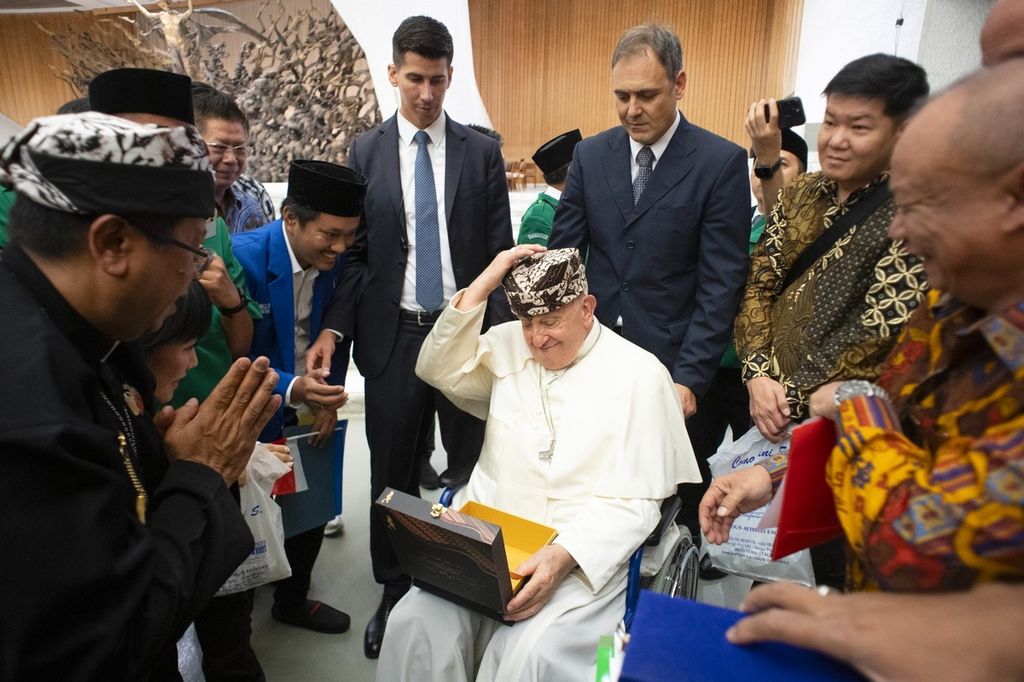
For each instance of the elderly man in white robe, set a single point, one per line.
(585, 433)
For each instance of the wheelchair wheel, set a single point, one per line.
(678, 575)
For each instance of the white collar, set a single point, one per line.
(658, 147)
(554, 193)
(406, 130)
(296, 268)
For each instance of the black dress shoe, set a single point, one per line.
(708, 571)
(315, 615)
(454, 479)
(375, 628)
(428, 476)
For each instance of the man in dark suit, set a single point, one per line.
(663, 207)
(292, 266)
(436, 214)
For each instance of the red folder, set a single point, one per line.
(808, 513)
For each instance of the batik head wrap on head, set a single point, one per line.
(544, 282)
(94, 163)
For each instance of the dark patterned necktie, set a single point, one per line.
(429, 286)
(645, 161)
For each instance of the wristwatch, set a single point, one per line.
(852, 389)
(243, 301)
(766, 172)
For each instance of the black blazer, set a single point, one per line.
(674, 266)
(365, 305)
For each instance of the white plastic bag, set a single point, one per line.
(748, 551)
(267, 561)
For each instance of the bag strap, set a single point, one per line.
(862, 209)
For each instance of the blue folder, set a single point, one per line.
(322, 466)
(679, 639)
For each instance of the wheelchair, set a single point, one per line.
(676, 573)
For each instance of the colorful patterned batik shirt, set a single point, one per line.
(930, 489)
(841, 317)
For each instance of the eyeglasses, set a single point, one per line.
(201, 257)
(240, 151)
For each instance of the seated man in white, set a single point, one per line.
(585, 433)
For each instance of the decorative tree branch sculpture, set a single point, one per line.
(302, 79)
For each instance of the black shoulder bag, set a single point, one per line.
(862, 209)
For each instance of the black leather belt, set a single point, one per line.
(420, 318)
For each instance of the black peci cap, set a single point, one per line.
(143, 91)
(326, 187)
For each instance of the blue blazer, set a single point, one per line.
(268, 272)
(673, 266)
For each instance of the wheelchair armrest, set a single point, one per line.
(669, 509)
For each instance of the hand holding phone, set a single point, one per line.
(791, 112)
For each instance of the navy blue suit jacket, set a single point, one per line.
(366, 303)
(268, 272)
(673, 267)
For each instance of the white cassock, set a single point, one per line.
(590, 450)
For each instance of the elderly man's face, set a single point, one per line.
(556, 337)
(948, 215)
(228, 144)
(645, 97)
(165, 274)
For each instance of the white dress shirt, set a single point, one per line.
(407, 149)
(658, 148)
(302, 292)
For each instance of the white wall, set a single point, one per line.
(835, 32)
(373, 22)
(949, 43)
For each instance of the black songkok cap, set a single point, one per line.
(326, 187)
(556, 152)
(143, 91)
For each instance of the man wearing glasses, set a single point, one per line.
(123, 532)
(164, 98)
(241, 201)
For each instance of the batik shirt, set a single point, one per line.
(841, 317)
(247, 205)
(930, 488)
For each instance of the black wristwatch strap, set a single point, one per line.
(243, 301)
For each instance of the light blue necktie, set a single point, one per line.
(429, 286)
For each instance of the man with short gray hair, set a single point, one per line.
(663, 207)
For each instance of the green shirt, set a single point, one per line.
(535, 227)
(212, 349)
(6, 201)
(730, 358)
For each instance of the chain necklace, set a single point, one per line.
(123, 444)
(545, 455)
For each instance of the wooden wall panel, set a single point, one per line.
(544, 67)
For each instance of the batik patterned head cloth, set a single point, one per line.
(544, 282)
(94, 163)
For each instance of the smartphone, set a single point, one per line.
(791, 112)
